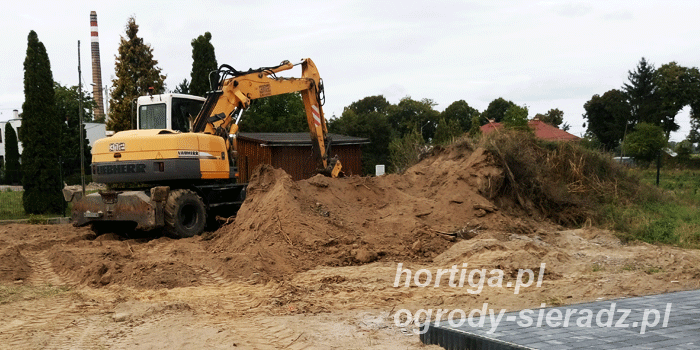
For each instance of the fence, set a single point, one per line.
(11, 193)
(12, 207)
(11, 203)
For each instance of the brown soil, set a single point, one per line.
(312, 264)
(285, 227)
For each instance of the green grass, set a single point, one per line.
(11, 205)
(668, 216)
(11, 208)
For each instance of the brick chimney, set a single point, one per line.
(99, 110)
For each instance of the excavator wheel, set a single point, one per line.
(185, 214)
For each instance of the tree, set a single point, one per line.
(461, 112)
(684, 149)
(136, 72)
(447, 131)
(40, 134)
(694, 135)
(279, 113)
(608, 117)
(183, 87)
(496, 110)
(516, 118)
(68, 111)
(641, 94)
(677, 87)
(475, 129)
(410, 114)
(13, 173)
(553, 117)
(645, 142)
(367, 118)
(203, 62)
(370, 104)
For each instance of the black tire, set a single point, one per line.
(185, 214)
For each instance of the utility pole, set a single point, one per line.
(80, 127)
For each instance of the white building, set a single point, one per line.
(16, 123)
(94, 132)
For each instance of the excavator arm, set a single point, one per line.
(234, 91)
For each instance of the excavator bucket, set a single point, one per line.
(334, 169)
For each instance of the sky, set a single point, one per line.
(541, 54)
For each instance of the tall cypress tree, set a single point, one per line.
(203, 62)
(12, 167)
(136, 72)
(40, 134)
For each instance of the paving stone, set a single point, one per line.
(681, 330)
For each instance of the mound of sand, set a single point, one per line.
(285, 226)
(13, 266)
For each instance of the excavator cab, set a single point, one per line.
(167, 111)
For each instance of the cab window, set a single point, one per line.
(184, 112)
(153, 116)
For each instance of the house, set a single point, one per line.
(293, 153)
(541, 129)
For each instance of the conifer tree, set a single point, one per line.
(203, 62)
(12, 167)
(641, 94)
(136, 72)
(40, 134)
(447, 131)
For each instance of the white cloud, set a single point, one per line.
(552, 54)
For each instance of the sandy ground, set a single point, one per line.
(313, 264)
(48, 306)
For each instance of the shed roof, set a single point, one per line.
(297, 138)
(542, 130)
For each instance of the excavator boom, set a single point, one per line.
(233, 95)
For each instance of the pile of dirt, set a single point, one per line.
(13, 266)
(285, 226)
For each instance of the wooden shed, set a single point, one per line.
(293, 153)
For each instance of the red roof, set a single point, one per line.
(542, 130)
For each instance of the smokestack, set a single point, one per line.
(99, 110)
(15, 114)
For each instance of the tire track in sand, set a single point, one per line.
(239, 296)
(50, 318)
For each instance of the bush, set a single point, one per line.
(645, 142)
(406, 151)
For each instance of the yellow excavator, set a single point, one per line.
(174, 171)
